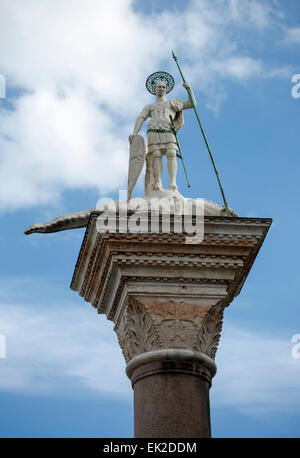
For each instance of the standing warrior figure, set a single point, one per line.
(161, 137)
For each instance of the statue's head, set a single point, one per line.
(160, 83)
(161, 88)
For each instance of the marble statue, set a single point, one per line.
(161, 137)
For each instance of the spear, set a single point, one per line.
(204, 136)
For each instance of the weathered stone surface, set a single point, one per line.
(149, 325)
(166, 298)
(162, 292)
(171, 399)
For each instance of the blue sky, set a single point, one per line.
(75, 74)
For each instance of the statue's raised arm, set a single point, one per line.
(191, 102)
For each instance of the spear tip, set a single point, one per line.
(173, 54)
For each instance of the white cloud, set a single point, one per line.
(256, 373)
(254, 13)
(82, 67)
(66, 349)
(50, 143)
(293, 35)
(242, 68)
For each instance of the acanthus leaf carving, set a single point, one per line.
(209, 334)
(152, 325)
(140, 334)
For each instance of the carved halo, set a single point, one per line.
(159, 76)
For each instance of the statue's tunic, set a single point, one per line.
(159, 114)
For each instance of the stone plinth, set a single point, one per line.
(166, 298)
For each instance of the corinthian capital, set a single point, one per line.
(155, 324)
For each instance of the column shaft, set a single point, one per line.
(171, 400)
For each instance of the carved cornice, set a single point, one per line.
(171, 263)
(223, 232)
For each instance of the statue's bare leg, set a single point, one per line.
(149, 178)
(151, 182)
(172, 168)
(148, 174)
(157, 169)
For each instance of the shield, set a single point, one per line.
(137, 157)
